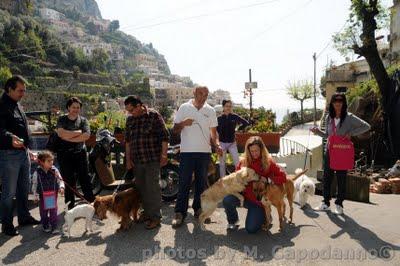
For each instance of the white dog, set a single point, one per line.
(80, 211)
(304, 188)
(395, 170)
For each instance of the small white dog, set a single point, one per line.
(80, 211)
(395, 170)
(304, 188)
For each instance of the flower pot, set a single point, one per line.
(270, 139)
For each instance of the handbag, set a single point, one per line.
(341, 151)
(49, 197)
(49, 200)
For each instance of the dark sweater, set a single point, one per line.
(227, 126)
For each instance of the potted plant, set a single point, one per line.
(263, 129)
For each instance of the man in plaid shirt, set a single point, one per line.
(146, 147)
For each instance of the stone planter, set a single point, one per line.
(270, 139)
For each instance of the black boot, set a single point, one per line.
(9, 230)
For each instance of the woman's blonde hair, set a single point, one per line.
(265, 156)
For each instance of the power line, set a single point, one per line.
(166, 15)
(257, 35)
(282, 19)
(134, 27)
(330, 42)
(153, 25)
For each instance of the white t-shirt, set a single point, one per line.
(337, 120)
(196, 138)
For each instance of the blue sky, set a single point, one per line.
(216, 42)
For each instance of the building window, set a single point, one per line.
(341, 89)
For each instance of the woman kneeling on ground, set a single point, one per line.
(256, 157)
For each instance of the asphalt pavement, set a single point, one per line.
(368, 234)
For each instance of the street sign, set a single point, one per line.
(250, 85)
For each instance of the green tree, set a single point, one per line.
(92, 28)
(359, 37)
(14, 33)
(73, 14)
(76, 71)
(5, 74)
(351, 37)
(100, 59)
(300, 91)
(76, 57)
(366, 17)
(166, 112)
(114, 26)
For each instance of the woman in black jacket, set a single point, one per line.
(74, 130)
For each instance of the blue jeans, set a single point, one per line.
(197, 163)
(15, 176)
(255, 213)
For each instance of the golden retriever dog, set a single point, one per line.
(122, 204)
(231, 184)
(271, 194)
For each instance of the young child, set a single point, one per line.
(46, 183)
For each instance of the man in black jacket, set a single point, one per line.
(14, 156)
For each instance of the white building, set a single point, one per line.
(216, 97)
(88, 48)
(50, 14)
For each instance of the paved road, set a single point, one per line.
(301, 134)
(364, 229)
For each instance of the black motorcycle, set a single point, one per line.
(102, 173)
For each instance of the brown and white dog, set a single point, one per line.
(272, 194)
(231, 184)
(122, 204)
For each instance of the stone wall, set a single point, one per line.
(49, 84)
(45, 101)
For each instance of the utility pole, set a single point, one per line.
(315, 88)
(251, 97)
(248, 90)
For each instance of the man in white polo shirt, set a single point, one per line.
(196, 121)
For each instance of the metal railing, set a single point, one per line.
(290, 147)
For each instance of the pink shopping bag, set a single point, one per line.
(341, 151)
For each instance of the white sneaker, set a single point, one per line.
(338, 210)
(55, 231)
(46, 230)
(322, 207)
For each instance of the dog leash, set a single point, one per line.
(75, 191)
(125, 177)
(307, 149)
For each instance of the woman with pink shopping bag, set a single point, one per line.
(339, 151)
